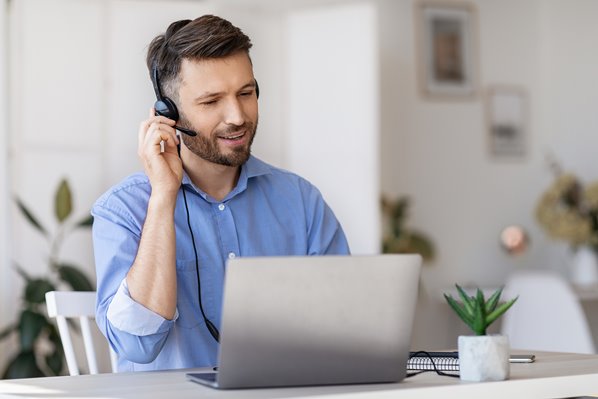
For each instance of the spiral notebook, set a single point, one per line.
(449, 361)
(444, 361)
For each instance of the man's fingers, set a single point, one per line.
(156, 134)
(152, 124)
(162, 119)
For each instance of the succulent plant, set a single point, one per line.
(477, 312)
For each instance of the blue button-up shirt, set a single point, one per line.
(270, 212)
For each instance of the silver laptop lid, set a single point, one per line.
(290, 321)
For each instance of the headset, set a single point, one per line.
(164, 106)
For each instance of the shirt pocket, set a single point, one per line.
(187, 293)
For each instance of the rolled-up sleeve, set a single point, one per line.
(133, 331)
(131, 317)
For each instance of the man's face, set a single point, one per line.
(217, 100)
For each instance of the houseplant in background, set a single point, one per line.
(568, 211)
(482, 357)
(39, 347)
(398, 237)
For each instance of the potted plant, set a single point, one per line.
(398, 237)
(39, 351)
(568, 211)
(482, 357)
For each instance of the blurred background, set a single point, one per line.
(360, 97)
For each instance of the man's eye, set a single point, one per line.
(211, 102)
(247, 93)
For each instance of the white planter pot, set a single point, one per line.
(484, 357)
(584, 267)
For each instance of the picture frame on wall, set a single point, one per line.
(506, 115)
(447, 47)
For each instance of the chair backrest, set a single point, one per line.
(547, 315)
(75, 304)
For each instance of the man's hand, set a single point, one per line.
(163, 167)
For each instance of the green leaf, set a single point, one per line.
(30, 326)
(468, 302)
(54, 337)
(87, 222)
(7, 331)
(63, 201)
(54, 361)
(479, 322)
(484, 312)
(21, 272)
(35, 290)
(493, 301)
(480, 297)
(460, 310)
(421, 244)
(29, 216)
(74, 277)
(23, 365)
(500, 310)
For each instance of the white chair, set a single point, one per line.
(76, 304)
(547, 316)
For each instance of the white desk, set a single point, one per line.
(553, 375)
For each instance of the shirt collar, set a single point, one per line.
(252, 168)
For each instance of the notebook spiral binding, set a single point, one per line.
(444, 361)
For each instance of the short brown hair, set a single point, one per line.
(205, 37)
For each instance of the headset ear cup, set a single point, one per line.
(166, 107)
(257, 89)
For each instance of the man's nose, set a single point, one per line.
(234, 114)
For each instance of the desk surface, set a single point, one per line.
(553, 375)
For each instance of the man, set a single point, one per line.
(162, 238)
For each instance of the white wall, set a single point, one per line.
(436, 151)
(333, 118)
(6, 276)
(570, 87)
(56, 126)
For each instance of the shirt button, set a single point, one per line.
(221, 207)
(231, 255)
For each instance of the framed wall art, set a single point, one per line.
(447, 49)
(506, 115)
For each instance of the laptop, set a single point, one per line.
(315, 320)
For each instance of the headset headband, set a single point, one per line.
(156, 81)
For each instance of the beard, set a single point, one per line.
(207, 147)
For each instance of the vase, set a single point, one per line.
(584, 266)
(484, 357)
